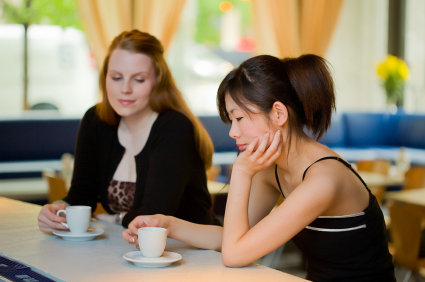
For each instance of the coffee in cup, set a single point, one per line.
(77, 218)
(152, 241)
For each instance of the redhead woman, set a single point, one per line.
(328, 211)
(141, 150)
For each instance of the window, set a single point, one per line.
(213, 38)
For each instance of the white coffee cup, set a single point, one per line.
(152, 241)
(77, 218)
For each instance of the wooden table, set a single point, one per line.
(101, 259)
(378, 183)
(411, 196)
(376, 179)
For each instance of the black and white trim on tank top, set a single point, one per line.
(338, 229)
(342, 216)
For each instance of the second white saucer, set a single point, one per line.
(86, 236)
(138, 259)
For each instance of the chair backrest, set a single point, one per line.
(58, 191)
(379, 166)
(405, 234)
(415, 178)
(219, 133)
(213, 172)
(57, 186)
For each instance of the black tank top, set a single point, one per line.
(346, 248)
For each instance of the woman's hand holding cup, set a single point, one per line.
(48, 220)
(157, 220)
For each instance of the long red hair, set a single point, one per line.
(165, 95)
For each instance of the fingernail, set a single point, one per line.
(132, 239)
(278, 132)
(267, 134)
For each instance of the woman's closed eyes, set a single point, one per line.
(117, 78)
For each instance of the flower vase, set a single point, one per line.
(392, 108)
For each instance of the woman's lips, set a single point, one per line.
(241, 146)
(125, 102)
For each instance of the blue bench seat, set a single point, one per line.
(29, 145)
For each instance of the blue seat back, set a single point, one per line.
(27, 140)
(409, 130)
(336, 135)
(219, 133)
(369, 130)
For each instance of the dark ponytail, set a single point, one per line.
(310, 78)
(304, 85)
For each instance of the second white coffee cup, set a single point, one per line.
(152, 241)
(77, 218)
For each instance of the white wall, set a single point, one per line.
(415, 56)
(358, 44)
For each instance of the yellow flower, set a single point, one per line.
(393, 73)
(403, 71)
(382, 70)
(393, 67)
(392, 63)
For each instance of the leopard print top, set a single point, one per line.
(121, 195)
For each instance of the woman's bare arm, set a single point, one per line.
(197, 235)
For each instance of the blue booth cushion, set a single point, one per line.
(219, 133)
(369, 130)
(34, 140)
(336, 135)
(409, 129)
(29, 145)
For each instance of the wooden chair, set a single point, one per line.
(406, 237)
(58, 190)
(377, 166)
(214, 187)
(57, 186)
(415, 178)
(213, 172)
(99, 209)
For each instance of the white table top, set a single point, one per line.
(30, 189)
(101, 259)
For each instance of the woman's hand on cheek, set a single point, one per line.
(258, 155)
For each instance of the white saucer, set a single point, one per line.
(86, 236)
(138, 259)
